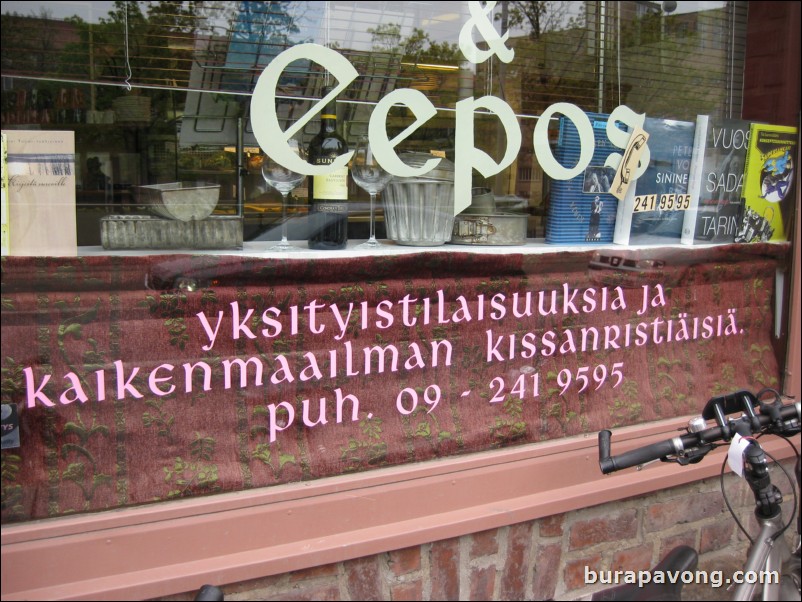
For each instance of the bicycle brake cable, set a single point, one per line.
(729, 506)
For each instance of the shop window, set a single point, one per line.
(191, 68)
(159, 94)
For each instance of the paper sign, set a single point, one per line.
(41, 193)
(629, 164)
(735, 455)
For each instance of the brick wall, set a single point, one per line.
(538, 559)
(771, 73)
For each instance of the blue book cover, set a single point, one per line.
(581, 211)
(653, 211)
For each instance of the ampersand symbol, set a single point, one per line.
(489, 34)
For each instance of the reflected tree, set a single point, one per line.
(417, 47)
(669, 68)
(154, 43)
(419, 62)
(540, 17)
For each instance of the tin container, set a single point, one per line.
(182, 201)
(483, 202)
(498, 229)
(150, 232)
(420, 211)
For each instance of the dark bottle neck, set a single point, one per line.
(328, 118)
(328, 124)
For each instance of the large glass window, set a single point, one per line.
(151, 376)
(159, 92)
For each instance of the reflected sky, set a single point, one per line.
(91, 11)
(88, 11)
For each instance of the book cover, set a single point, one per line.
(653, 211)
(716, 180)
(581, 210)
(769, 184)
(41, 193)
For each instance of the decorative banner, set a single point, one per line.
(133, 386)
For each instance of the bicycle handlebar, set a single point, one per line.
(789, 415)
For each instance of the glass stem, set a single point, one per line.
(372, 216)
(283, 218)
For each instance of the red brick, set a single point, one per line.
(484, 544)
(638, 558)
(409, 590)
(547, 560)
(749, 522)
(327, 570)
(736, 490)
(299, 592)
(682, 510)
(363, 578)
(404, 561)
(270, 583)
(483, 583)
(574, 572)
(782, 483)
(715, 537)
(513, 577)
(684, 539)
(765, 45)
(444, 569)
(623, 525)
(552, 526)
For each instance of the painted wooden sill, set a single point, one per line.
(174, 547)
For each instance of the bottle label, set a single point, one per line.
(330, 207)
(332, 186)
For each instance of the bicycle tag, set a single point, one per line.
(735, 455)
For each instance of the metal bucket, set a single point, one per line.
(420, 211)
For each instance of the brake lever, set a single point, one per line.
(691, 456)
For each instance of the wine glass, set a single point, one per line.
(285, 181)
(371, 177)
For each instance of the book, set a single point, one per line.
(581, 210)
(653, 210)
(41, 193)
(716, 180)
(769, 184)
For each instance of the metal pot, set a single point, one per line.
(182, 201)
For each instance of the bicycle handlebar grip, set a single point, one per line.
(789, 416)
(639, 456)
(210, 593)
(604, 452)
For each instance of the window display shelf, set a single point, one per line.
(535, 246)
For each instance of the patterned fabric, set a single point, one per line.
(505, 332)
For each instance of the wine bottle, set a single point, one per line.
(328, 194)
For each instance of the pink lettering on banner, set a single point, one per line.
(343, 357)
